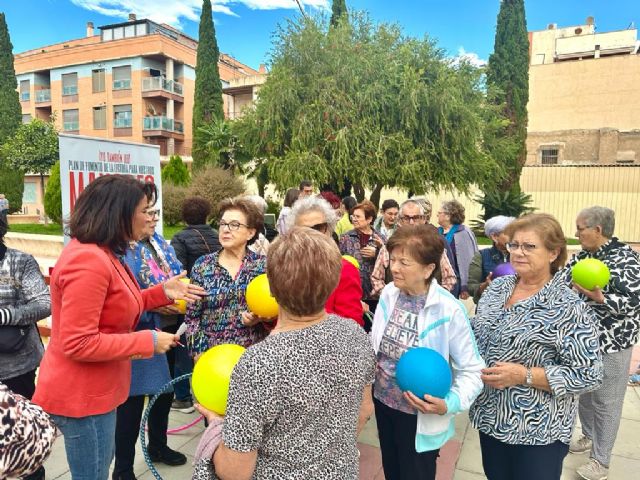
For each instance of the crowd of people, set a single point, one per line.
(538, 352)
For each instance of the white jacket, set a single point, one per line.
(443, 326)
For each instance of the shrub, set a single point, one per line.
(172, 198)
(511, 204)
(215, 184)
(12, 185)
(53, 195)
(176, 172)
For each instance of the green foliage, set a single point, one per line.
(273, 206)
(508, 87)
(510, 203)
(53, 195)
(33, 147)
(10, 110)
(172, 197)
(219, 145)
(215, 184)
(338, 10)
(362, 102)
(12, 185)
(207, 103)
(176, 172)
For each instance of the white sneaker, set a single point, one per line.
(581, 445)
(593, 471)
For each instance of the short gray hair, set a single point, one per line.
(496, 225)
(258, 201)
(312, 204)
(600, 216)
(412, 201)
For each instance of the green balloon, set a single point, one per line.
(590, 273)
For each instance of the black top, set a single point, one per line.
(194, 241)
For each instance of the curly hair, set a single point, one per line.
(455, 210)
(195, 210)
(255, 218)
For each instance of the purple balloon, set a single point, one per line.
(503, 269)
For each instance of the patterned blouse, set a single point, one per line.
(350, 245)
(553, 329)
(217, 318)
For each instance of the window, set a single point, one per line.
(70, 120)
(549, 156)
(122, 116)
(26, 117)
(97, 80)
(141, 29)
(130, 31)
(122, 77)
(29, 193)
(118, 33)
(100, 118)
(107, 34)
(70, 84)
(24, 91)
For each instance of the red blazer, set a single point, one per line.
(345, 299)
(95, 306)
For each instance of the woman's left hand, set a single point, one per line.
(177, 290)
(378, 240)
(250, 319)
(596, 294)
(503, 375)
(209, 416)
(430, 404)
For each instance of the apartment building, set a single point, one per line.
(583, 96)
(131, 81)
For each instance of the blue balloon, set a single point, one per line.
(423, 371)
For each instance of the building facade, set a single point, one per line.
(130, 81)
(583, 96)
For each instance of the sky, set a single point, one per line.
(244, 28)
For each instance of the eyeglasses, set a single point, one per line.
(354, 217)
(320, 227)
(523, 247)
(579, 229)
(232, 226)
(153, 213)
(411, 218)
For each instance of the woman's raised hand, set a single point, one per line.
(177, 289)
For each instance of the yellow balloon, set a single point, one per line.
(212, 374)
(259, 299)
(352, 260)
(181, 304)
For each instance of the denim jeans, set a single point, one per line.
(89, 443)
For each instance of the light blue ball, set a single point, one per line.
(423, 371)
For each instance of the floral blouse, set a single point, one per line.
(552, 329)
(217, 318)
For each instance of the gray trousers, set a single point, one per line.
(600, 410)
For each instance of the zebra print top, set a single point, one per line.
(553, 329)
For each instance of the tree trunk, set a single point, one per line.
(375, 195)
(358, 190)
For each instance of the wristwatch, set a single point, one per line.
(529, 378)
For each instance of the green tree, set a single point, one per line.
(364, 102)
(33, 148)
(508, 87)
(207, 102)
(11, 180)
(215, 184)
(176, 172)
(338, 9)
(222, 147)
(53, 195)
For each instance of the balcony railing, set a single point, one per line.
(122, 84)
(122, 122)
(162, 123)
(70, 126)
(70, 90)
(43, 96)
(160, 83)
(24, 96)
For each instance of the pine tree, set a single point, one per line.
(508, 83)
(207, 102)
(11, 180)
(338, 9)
(176, 172)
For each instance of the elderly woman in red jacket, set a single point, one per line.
(96, 303)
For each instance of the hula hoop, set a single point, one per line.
(145, 418)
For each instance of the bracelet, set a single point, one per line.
(155, 338)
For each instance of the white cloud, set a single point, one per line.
(174, 11)
(471, 57)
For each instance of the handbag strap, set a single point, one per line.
(203, 239)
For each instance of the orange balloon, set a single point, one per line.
(259, 298)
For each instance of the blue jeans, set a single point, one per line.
(89, 443)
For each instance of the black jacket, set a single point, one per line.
(194, 241)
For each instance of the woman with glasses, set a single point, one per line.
(152, 260)
(363, 243)
(461, 240)
(540, 344)
(225, 275)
